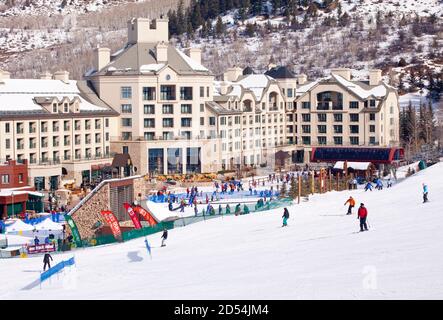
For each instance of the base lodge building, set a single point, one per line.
(170, 114)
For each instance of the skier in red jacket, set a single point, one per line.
(362, 215)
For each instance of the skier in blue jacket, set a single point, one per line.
(425, 192)
(368, 186)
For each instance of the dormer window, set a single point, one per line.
(54, 108)
(65, 108)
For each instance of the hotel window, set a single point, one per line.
(7, 127)
(372, 116)
(371, 128)
(126, 122)
(289, 93)
(306, 105)
(149, 123)
(55, 126)
(186, 108)
(186, 122)
(372, 140)
(202, 121)
(353, 129)
(212, 121)
(338, 117)
(391, 121)
(65, 107)
(306, 117)
(202, 92)
(20, 177)
(149, 135)
(107, 122)
(185, 93)
(353, 104)
(97, 124)
(222, 121)
(8, 143)
(167, 135)
(353, 117)
(168, 109)
(321, 140)
(372, 103)
(306, 140)
(354, 140)
(321, 117)
(5, 178)
(149, 109)
(98, 138)
(207, 91)
(168, 122)
(306, 129)
(66, 125)
(148, 93)
(126, 92)
(126, 135)
(126, 108)
(202, 107)
(338, 140)
(107, 136)
(338, 129)
(321, 129)
(167, 92)
(54, 107)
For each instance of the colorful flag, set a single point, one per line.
(113, 223)
(147, 216)
(74, 230)
(132, 215)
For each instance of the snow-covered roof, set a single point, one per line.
(18, 95)
(353, 165)
(48, 225)
(192, 63)
(19, 225)
(256, 83)
(377, 91)
(153, 67)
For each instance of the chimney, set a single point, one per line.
(342, 72)
(143, 30)
(195, 54)
(374, 77)
(45, 75)
(102, 58)
(223, 88)
(62, 75)
(4, 75)
(232, 74)
(301, 78)
(271, 66)
(161, 52)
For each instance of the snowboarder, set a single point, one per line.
(285, 217)
(362, 215)
(351, 202)
(46, 262)
(425, 192)
(164, 237)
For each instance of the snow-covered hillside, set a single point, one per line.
(320, 255)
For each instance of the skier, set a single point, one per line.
(389, 183)
(368, 186)
(285, 217)
(36, 241)
(362, 215)
(164, 237)
(46, 258)
(425, 192)
(351, 202)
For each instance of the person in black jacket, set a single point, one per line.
(46, 261)
(164, 237)
(285, 217)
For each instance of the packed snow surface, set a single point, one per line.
(319, 255)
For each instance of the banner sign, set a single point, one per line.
(41, 248)
(113, 223)
(146, 215)
(74, 229)
(132, 215)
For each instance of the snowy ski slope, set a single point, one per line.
(320, 255)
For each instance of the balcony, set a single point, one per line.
(32, 130)
(55, 129)
(20, 130)
(67, 128)
(20, 146)
(55, 144)
(87, 127)
(44, 145)
(88, 141)
(32, 145)
(44, 129)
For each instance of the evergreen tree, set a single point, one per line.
(293, 192)
(181, 20)
(196, 18)
(219, 27)
(250, 29)
(283, 190)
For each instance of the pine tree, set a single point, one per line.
(283, 190)
(181, 21)
(196, 18)
(219, 27)
(293, 192)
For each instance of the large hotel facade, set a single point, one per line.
(171, 115)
